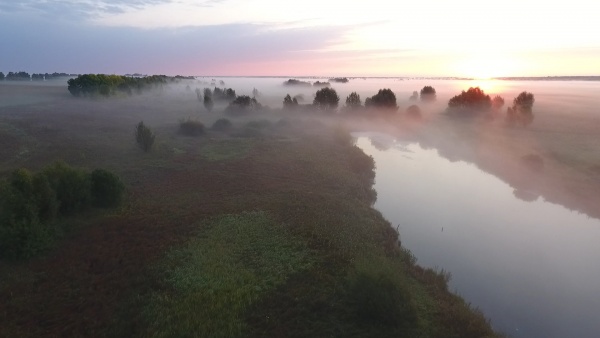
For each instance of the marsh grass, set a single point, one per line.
(211, 281)
(226, 150)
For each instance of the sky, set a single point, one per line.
(462, 38)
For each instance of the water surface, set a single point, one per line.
(532, 267)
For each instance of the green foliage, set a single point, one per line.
(144, 136)
(326, 99)
(191, 127)
(217, 275)
(226, 150)
(31, 203)
(428, 94)
(294, 82)
(384, 100)
(107, 85)
(106, 188)
(473, 102)
(222, 124)
(72, 187)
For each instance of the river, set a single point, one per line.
(531, 267)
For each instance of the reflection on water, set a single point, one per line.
(529, 265)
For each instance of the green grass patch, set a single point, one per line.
(208, 284)
(226, 150)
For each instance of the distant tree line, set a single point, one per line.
(107, 85)
(24, 76)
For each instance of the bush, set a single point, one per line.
(191, 127)
(72, 187)
(222, 125)
(106, 188)
(144, 137)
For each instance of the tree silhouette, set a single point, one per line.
(385, 99)
(414, 96)
(521, 112)
(326, 99)
(413, 112)
(144, 136)
(473, 102)
(353, 101)
(428, 94)
(289, 103)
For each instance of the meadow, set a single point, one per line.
(263, 229)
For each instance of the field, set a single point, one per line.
(264, 230)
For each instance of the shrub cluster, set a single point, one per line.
(30, 204)
(222, 125)
(191, 127)
(385, 99)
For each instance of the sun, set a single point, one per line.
(484, 67)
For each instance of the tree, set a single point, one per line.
(289, 103)
(428, 94)
(243, 104)
(208, 102)
(144, 136)
(521, 111)
(414, 96)
(497, 102)
(473, 102)
(326, 99)
(199, 94)
(413, 112)
(353, 101)
(2, 76)
(385, 99)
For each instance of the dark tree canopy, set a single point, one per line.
(294, 82)
(321, 84)
(18, 76)
(428, 94)
(243, 104)
(144, 136)
(326, 99)
(1, 76)
(473, 102)
(384, 99)
(101, 84)
(353, 101)
(521, 112)
(289, 103)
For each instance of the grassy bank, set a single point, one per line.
(228, 234)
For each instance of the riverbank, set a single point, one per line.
(265, 230)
